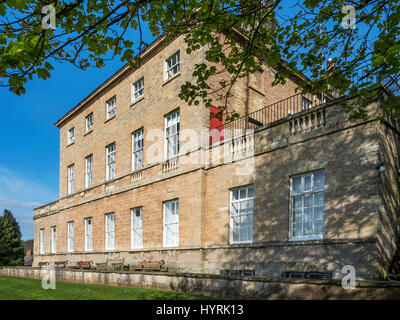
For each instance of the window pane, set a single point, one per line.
(296, 181)
(298, 202)
(307, 183)
(319, 178)
(319, 199)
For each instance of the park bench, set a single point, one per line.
(102, 265)
(43, 264)
(243, 273)
(150, 265)
(116, 264)
(82, 265)
(60, 264)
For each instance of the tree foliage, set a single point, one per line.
(11, 248)
(294, 37)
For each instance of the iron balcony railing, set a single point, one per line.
(266, 115)
(292, 105)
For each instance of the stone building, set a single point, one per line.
(302, 189)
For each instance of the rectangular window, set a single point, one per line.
(53, 240)
(89, 122)
(110, 162)
(71, 177)
(88, 234)
(172, 65)
(171, 223)
(89, 169)
(307, 206)
(138, 89)
(137, 227)
(137, 150)
(241, 224)
(111, 107)
(41, 241)
(70, 242)
(172, 134)
(110, 224)
(71, 135)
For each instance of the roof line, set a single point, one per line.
(154, 45)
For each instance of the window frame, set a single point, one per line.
(176, 241)
(71, 179)
(89, 174)
(140, 150)
(88, 235)
(136, 227)
(42, 248)
(71, 135)
(135, 90)
(168, 137)
(89, 125)
(110, 232)
(70, 236)
(53, 239)
(111, 164)
(178, 63)
(111, 112)
(239, 200)
(291, 206)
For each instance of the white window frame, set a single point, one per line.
(138, 89)
(71, 135)
(89, 171)
(89, 122)
(137, 228)
(41, 241)
(111, 108)
(174, 125)
(88, 234)
(110, 161)
(302, 194)
(169, 71)
(53, 239)
(137, 149)
(174, 223)
(71, 179)
(70, 236)
(237, 202)
(110, 231)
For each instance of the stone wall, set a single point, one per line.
(224, 287)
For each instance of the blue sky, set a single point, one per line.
(29, 156)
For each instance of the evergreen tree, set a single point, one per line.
(11, 249)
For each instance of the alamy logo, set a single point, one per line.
(49, 20)
(349, 279)
(49, 278)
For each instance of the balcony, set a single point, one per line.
(274, 112)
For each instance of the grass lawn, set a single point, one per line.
(12, 288)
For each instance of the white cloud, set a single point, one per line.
(21, 196)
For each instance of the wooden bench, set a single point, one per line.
(116, 264)
(102, 265)
(82, 265)
(43, 264)
(60, 264)
(239, 273)
(150, 265)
